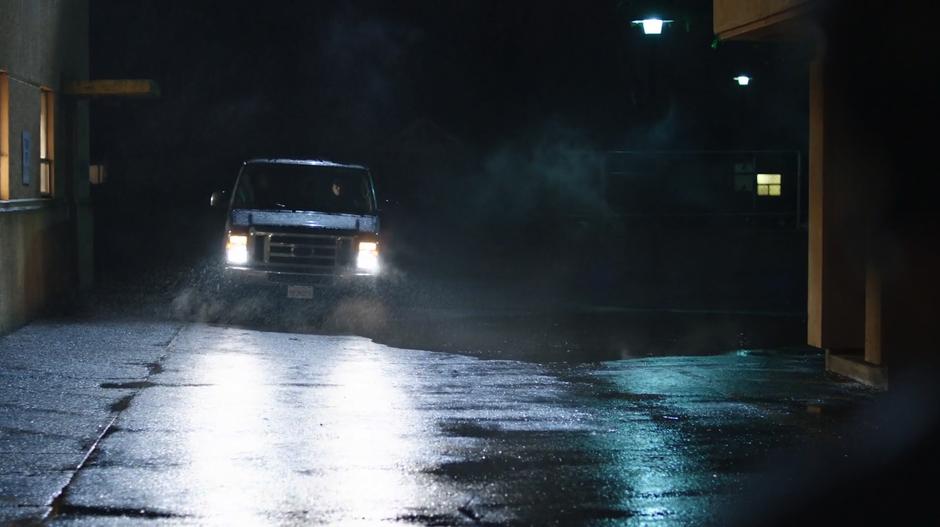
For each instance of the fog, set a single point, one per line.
(491, 134)
(594, 266)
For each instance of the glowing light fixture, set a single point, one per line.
(368, 259)
(651, 26)
(236, 250)
(742, 80)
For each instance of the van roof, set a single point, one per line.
(311, 162)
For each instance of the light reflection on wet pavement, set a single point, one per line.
(247, 427)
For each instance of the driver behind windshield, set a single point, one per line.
(344, 200)
(295, 187)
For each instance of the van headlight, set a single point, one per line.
(236, 249)
(368, 258)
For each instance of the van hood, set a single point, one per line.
(321, 220)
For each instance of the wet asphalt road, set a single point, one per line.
(199, 424)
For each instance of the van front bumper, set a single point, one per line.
(237, 276)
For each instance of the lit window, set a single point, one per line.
(4, 136)
(46, 142)
(768, 184)
(97, 174)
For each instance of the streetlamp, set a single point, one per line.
(651, 26)
(742, 80)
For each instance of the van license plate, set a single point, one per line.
(300, 291)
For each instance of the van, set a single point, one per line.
(299, 225)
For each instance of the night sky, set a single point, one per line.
(341, 79)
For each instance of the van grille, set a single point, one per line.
(302, 253)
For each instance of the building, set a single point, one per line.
(45, 217)
(874, 225)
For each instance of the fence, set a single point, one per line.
(749, 186)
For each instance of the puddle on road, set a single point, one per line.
(569, 336)
(632, 397)
(121, 404)
(131, 385)
(77, 511)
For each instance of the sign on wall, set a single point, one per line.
(27, 145)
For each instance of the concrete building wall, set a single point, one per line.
(43, 45)
(37, 270)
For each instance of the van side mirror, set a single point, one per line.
(218, 198)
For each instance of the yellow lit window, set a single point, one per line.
(4, 136)
(97, 174)
(769, 184)
(46, 143)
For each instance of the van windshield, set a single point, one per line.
(304, 187)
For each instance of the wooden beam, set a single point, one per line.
(113, 88)
(763, 20)
(838, 164)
